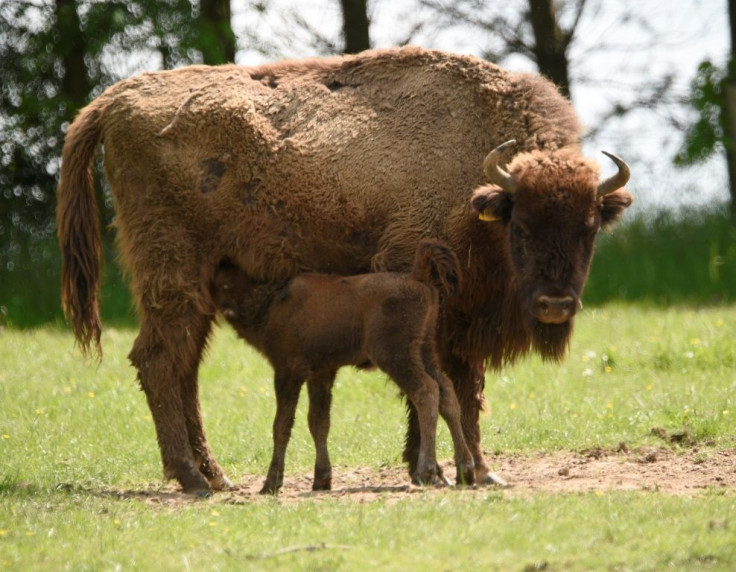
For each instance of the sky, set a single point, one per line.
(620, 46)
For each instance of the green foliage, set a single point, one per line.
(708, 98)
(78, 444)
(669, 259)
(54, 57)
(30, 290)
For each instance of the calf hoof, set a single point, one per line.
(430, 478)
(465, 475)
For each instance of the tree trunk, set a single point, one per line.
(550, 43)
(730, 111)
(71, 48)
(355, 26)
(217, 40)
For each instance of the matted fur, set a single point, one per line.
(339, 165)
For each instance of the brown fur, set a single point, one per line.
(339, 165)
(316, 323)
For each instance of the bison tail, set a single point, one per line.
(78, 227)
(435, 263)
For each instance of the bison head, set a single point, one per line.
(551, 206)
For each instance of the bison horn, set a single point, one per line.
(616, 181)
(496, 174)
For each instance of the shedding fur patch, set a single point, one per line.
(212, 172)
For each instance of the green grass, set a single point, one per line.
(72, 433)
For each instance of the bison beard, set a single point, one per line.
(551, 340)
(339, 165)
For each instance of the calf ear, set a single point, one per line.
(492, 203)
(612, 206)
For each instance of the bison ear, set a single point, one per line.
(612, 206)
(492, 203)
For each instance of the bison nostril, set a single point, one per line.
(554, 309)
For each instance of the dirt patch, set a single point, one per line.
(660, 470)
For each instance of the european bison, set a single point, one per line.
(314, 324)
(340, 165)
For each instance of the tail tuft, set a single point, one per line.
(435, 263)
(78, 227)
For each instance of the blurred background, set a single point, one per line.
(653, 81)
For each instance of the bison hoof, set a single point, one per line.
(222, 483)
(494, 480)
(322, 485)
(193, 482)
(201, 494)
(269, 489)
(197, 491)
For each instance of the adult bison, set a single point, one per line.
(338, 165)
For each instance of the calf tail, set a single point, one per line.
(78, 227)
(435, 263)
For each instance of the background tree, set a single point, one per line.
(216, 38)
(532, 28)
(546, 32)
(713, 97)
(355, 27)
(54, 57)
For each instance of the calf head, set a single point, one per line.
(552, 205)
(229, 288)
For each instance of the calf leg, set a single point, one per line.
(320, 401)
(423, 392)
(451, 413)
(449, 409)
(469, 379)
(413, 436)
(287, 396)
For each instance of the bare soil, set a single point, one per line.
(675, 472)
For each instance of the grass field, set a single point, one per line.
(81, 488)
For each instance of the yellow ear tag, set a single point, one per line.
(488, 215)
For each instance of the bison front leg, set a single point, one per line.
(469, 380)
(166, 354)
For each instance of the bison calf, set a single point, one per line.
(314, 324)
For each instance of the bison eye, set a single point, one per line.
(520, 232)
(521, 236)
